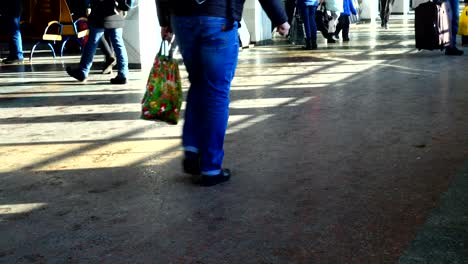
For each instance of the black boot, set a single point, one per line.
(308, 43)
(330, 38)
(313, 44)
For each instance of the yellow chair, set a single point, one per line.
(55, 17)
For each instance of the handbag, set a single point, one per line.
(322, 18)
(297, 35)
(163, 96)
(463, 22)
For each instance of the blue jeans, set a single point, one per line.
(115, 35)
(209, 47)
(455, 6)
(308, 15)
(15, 44)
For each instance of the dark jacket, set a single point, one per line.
(231, 9)
(12, 8)
(105, 14)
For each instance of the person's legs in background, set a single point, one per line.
(452, 49)
(339, 27)
(382, 8)
(87, 56)
(343, 24)
(385, 11)
(15, 43)
(116, 38)
(388, 11)
(310, 27)
(106, 49)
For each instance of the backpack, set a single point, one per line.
(126, 5)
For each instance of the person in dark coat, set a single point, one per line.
(207, 37)
(106, 16)
(343, 20)
(11, 15)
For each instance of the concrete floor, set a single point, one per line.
(349, 154)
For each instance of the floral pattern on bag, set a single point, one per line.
(163, 97)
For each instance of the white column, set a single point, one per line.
(401, 7)
(370, 9)
(142, 35)
(258, 23)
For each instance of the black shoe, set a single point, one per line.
(191, 166)
(12, 61)
(77, 74)
(205, 180)
(453, 51)
(118, 80)
(345, 39)
(331, 40)
(109, 64)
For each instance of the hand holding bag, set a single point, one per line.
(163, 96)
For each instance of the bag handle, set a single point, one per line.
(322, 7)
(167, 47)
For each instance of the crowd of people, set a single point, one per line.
(339, 12)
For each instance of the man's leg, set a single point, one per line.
(219, 52)
(345, 24)
(187, 32)
(89, 50)
(15, 43)
(388, 10)
(382, 4)
(452, 49)
(455, 6)
(116, 37)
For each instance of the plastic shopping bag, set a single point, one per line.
(163, 96)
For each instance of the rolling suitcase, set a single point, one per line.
(432, 26)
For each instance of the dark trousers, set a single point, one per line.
(310, 27)
(385, 10)
(343, 24)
